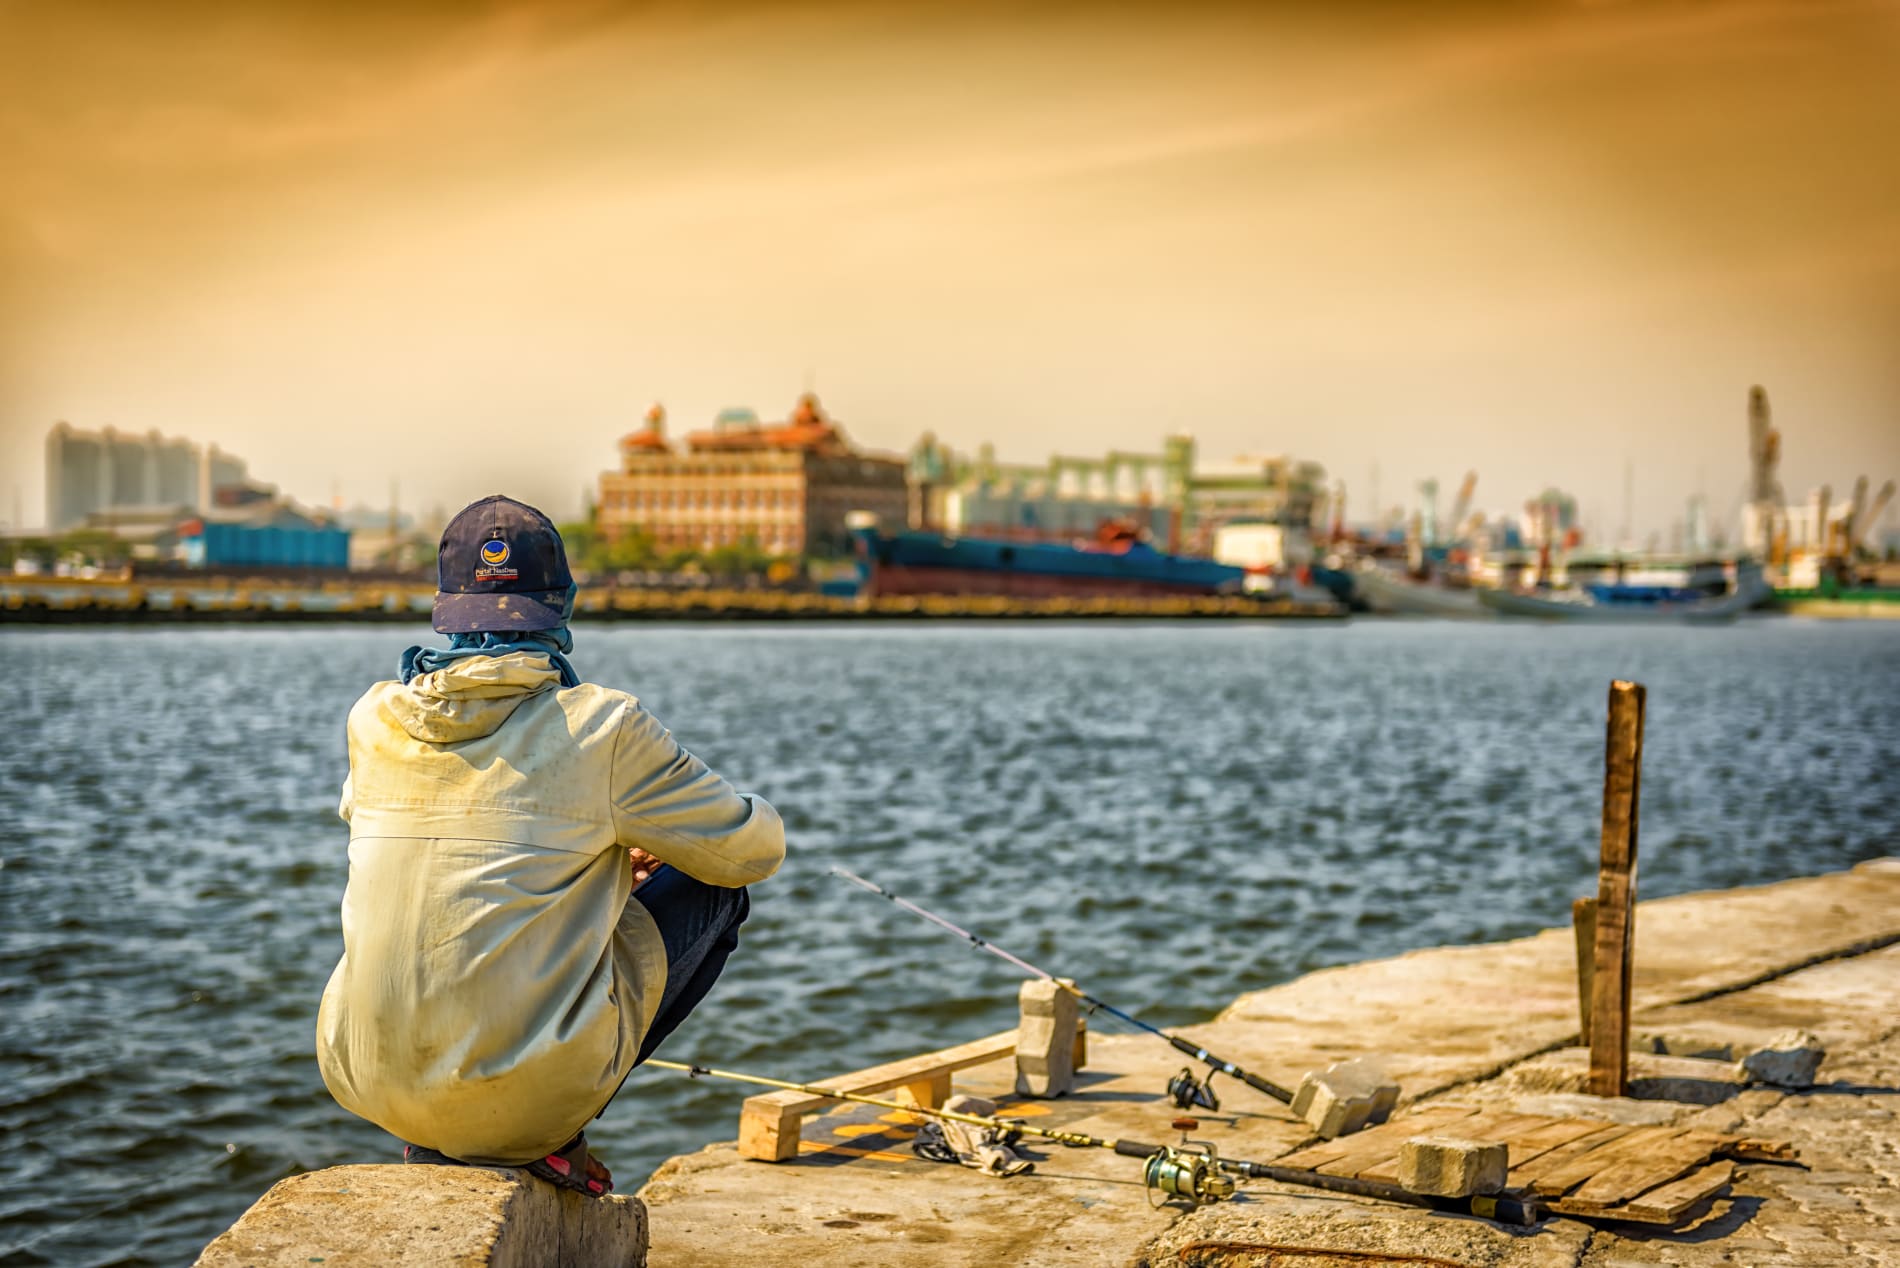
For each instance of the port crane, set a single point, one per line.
(1462, 507)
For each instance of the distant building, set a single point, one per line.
(170, 500)
(386, 539)
(1181, 504)
(111, 472)
(1809, 527)
(785, 486)
(1253, 489)
(270, 536)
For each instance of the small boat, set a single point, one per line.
(1387, 592)
(1630, 604)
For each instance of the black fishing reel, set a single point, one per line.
(1188, 1092)
(1186, 1173)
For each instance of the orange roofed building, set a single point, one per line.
(786, 486)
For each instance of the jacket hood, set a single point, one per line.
(471, 697)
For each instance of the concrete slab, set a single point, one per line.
(1840, 1207)
(456, 1217)
(1443, 1019)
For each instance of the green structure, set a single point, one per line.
(1180, 503)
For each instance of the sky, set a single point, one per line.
(454, 249)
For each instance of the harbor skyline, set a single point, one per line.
(1552, 244)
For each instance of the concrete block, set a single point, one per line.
(1789, 1059)
(1451, 1167)
(472, 1217)
(1046, 1039)
(1348, 1096)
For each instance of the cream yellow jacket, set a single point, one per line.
(495, 980)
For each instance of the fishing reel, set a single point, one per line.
(1189, 1172)
(1188, 1092)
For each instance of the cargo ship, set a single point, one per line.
(1117, 563)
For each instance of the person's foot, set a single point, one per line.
(572, 1167)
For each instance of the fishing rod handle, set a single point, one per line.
(1193, 1050)
(1259, 1084)
(1524, 1213)
(1135, 1149)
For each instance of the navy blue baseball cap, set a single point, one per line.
(501, 567)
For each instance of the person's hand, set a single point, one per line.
(644, 865)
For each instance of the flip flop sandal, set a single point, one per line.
(567, 1169)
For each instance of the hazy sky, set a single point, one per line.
(467, 245)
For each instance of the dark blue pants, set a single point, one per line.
(699, 923)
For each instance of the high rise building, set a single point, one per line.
(111, 473)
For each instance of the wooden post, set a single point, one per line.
(1616, 893)
(1583, 923)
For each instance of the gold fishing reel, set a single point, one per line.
(1189, 1172)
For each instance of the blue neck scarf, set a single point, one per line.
(554, 644)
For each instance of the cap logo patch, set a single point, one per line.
(494, 565)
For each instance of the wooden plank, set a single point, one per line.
(1539, 1141)
(1652, 1168)
(768, 1131)
(769, 1123)
(1583, 924)
(1676, 1199)
(1381, 1144)
(1750, 1149)
(1524, 1139)
(1561, 1155)
(1415, 1123)
(1559, 1179)
(1496, 1125)
(1616, 893)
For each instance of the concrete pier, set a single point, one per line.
(1817, 954)
(1789, 969)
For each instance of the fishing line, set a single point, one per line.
(1184, 1090)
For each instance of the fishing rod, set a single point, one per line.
(1184, 1089)
(1192, 1171)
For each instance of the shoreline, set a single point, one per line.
(225, 601)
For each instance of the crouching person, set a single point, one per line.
(542, 883)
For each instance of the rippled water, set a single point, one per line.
(1173, 813)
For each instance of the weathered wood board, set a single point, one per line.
(1576, 1166)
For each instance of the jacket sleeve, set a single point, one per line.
(666, 802)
